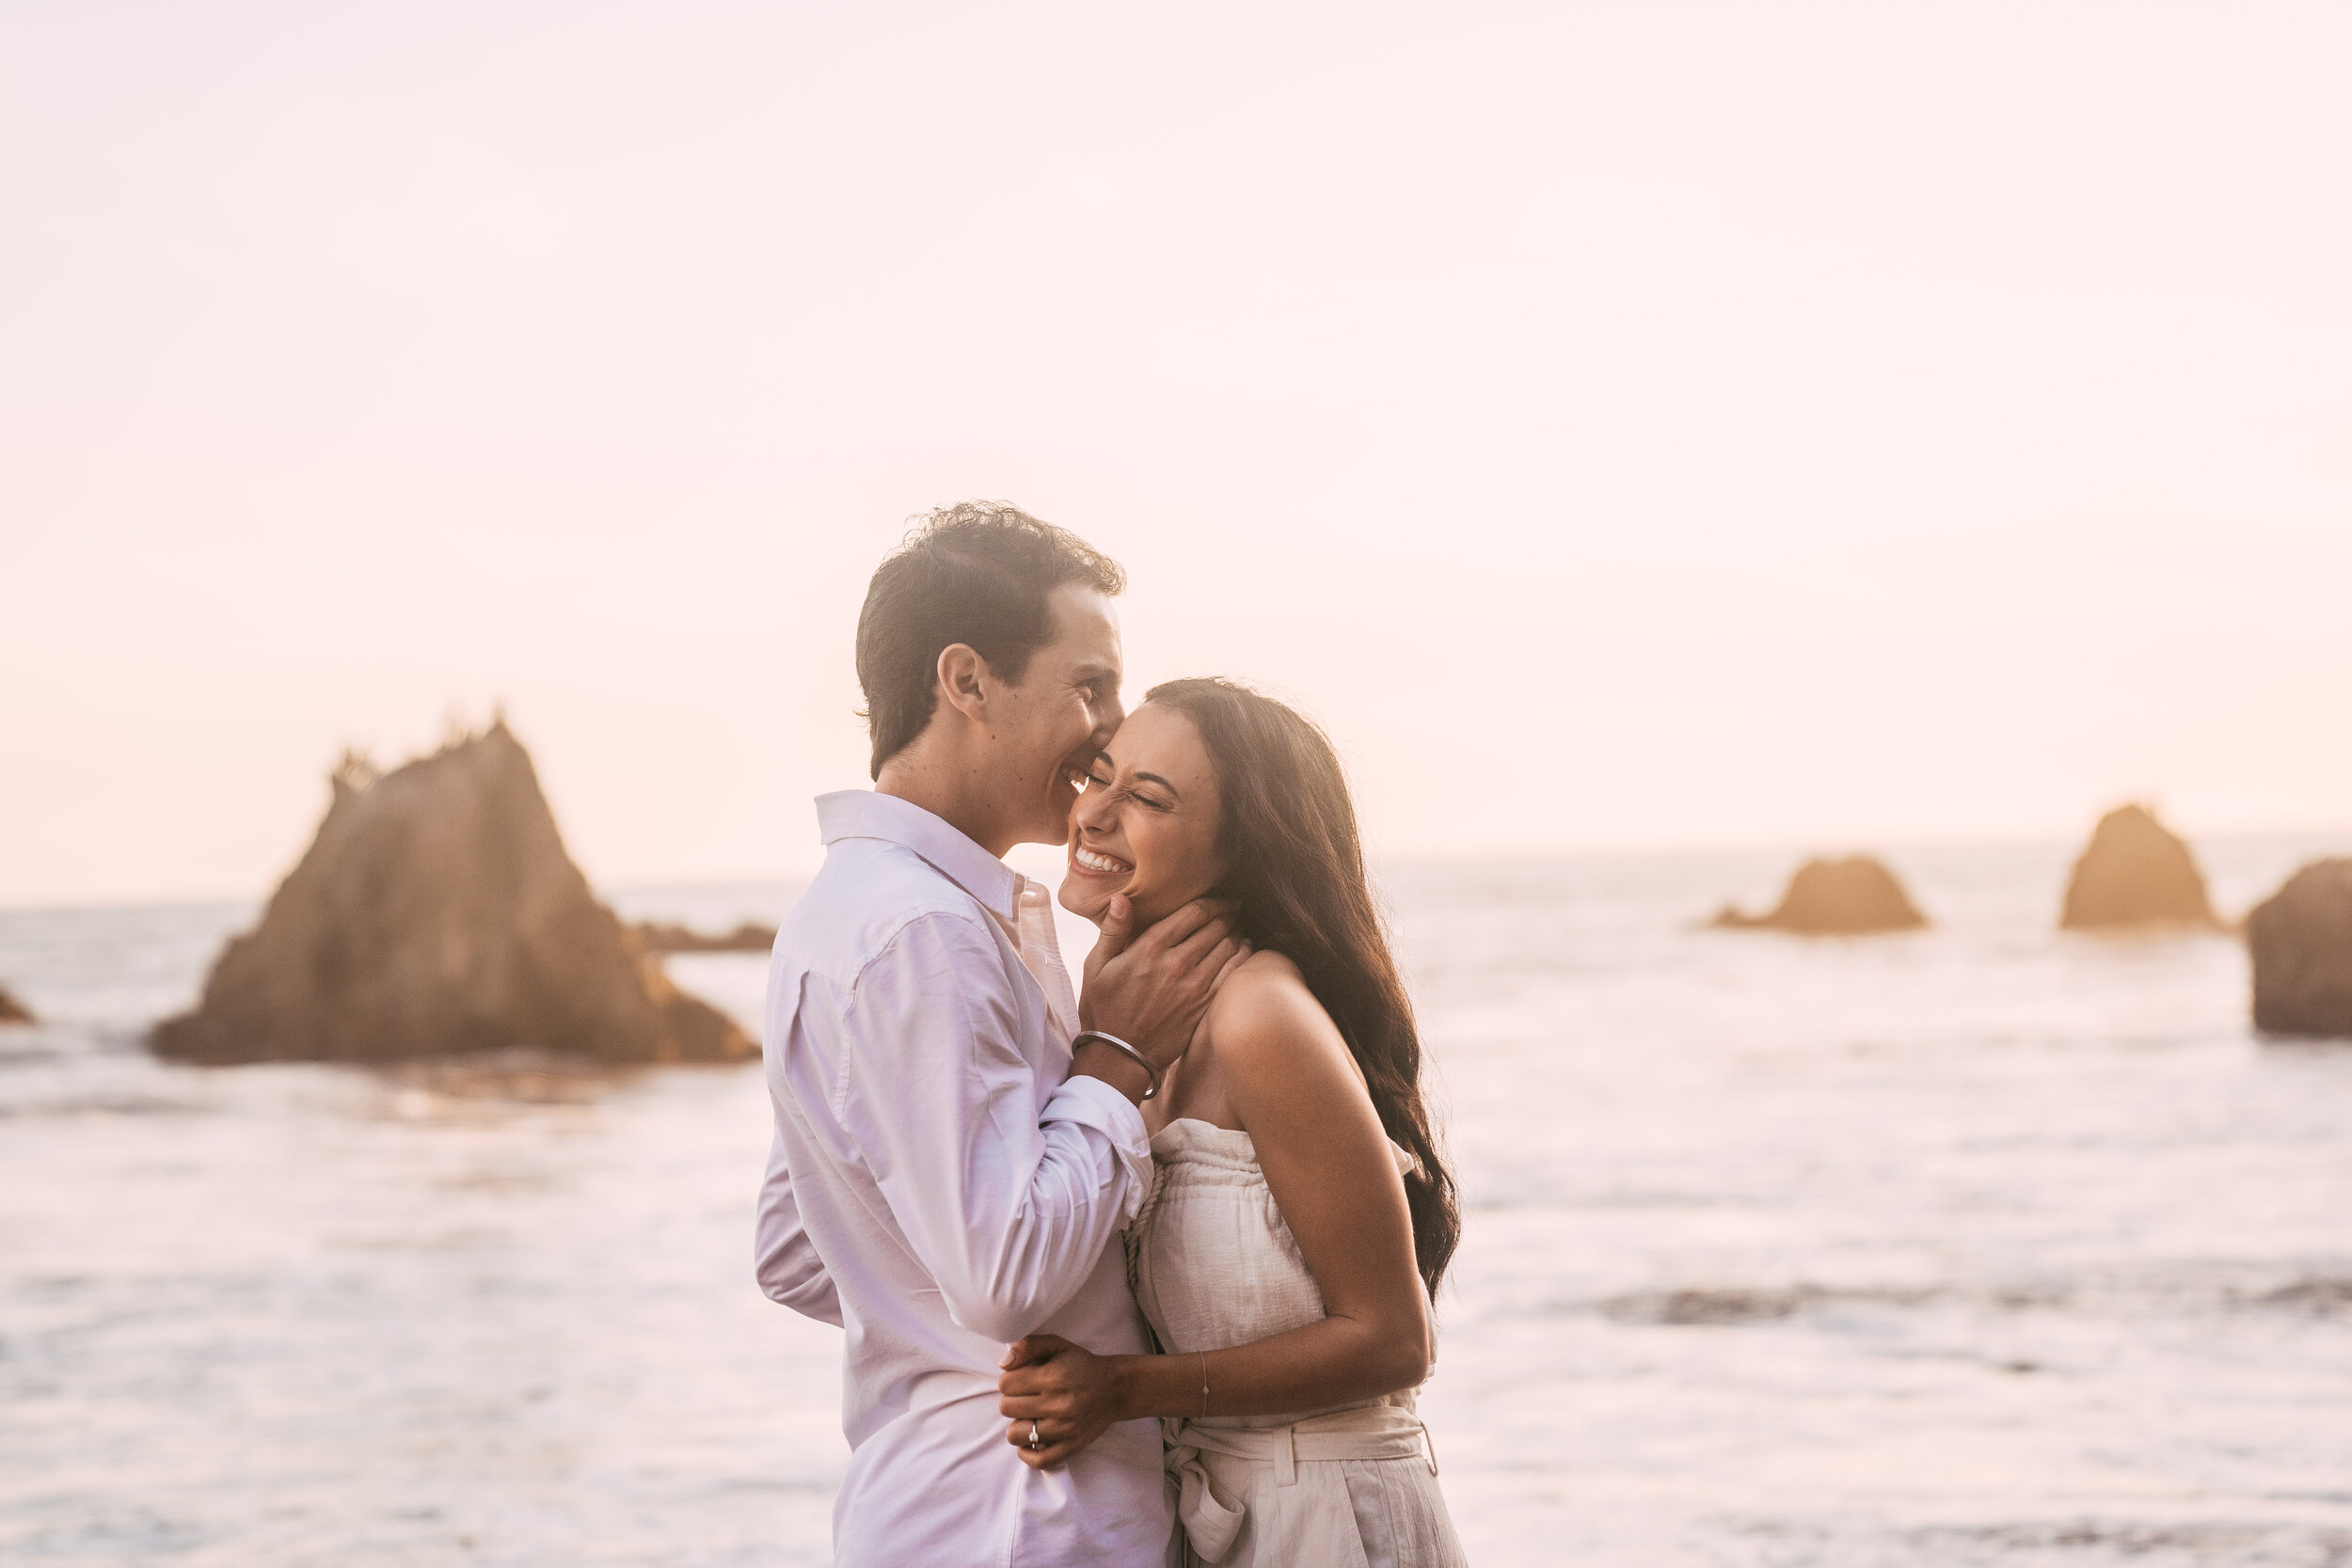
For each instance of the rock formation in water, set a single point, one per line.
(1849, 897)
(13, 1011)
(436, 913)
(657, 935)
(2300, 938)
(2135, 873)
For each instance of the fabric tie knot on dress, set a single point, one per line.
(1212, 1524)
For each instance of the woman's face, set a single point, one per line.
(1147, 824)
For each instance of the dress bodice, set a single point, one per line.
(1212, 1259)
(1214, 1265)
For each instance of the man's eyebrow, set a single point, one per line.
(1162, 784)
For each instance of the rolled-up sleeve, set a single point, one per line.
(1008, 1206)
(783, 1256)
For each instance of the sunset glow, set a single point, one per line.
(1629, 426)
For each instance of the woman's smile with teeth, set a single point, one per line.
(1094, 859)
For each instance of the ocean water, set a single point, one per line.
(1983, 1244)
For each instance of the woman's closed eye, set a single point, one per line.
(1096, 780)
(1140, 797)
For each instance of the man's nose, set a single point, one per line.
(1107, 718)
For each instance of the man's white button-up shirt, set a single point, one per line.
(939, 1188)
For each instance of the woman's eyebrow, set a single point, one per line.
(1162, 784)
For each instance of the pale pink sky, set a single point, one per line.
(1622, 425)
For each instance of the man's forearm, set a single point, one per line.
(1007, 1258)
(812, 1296)
(1094, 1059)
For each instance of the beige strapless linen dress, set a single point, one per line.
(1214, 1266)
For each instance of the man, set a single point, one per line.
(947, 1174)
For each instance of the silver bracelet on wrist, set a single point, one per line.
(1151, 1074)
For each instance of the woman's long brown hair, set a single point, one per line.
(1296, 864)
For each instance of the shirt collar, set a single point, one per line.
(868, 813)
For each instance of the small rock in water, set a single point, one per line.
(1680, 1308)
(2300, 938)
(436, 913)
(13, 1011)
(2135, 872)
(658, 936)
(2325, 1297)
(1854, 896)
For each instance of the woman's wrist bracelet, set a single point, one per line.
(1150, 1074)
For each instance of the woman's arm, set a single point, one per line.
(1294, 1089)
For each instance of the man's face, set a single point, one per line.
(1064, 711)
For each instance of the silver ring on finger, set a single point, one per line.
(1035, 1441)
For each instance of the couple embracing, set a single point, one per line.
(1140, 1273)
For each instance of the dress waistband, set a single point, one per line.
(1369, 1432)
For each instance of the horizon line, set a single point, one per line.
(783, 877)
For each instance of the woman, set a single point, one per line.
(1302, 1215)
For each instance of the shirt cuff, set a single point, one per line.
(1090, 1103)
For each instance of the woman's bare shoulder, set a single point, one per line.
(1264, 1016)
(1267, 986)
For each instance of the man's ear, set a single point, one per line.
(961, 679)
